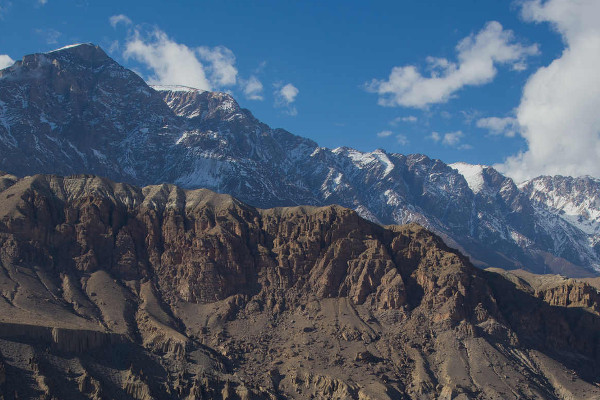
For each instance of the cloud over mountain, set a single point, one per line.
(477, 58)
(252, 88)
(119, 19)
(171, 63)
(285, 96)
(558, 113)
(499, 126)
(5, 61)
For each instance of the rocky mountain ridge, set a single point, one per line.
(76, 110)
(115, 291)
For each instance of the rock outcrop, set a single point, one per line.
(114, 291)
(557, 290)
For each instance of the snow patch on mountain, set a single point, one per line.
(576, 200)
(473, 174)
(70, 46)
(362, 160)
(176, 88)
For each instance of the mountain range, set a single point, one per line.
(76, 110)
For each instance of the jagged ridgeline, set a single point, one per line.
(110, 291)
(76, 110)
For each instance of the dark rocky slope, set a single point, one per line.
(114, 291)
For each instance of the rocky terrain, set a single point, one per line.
(75, 110)
(114, 291)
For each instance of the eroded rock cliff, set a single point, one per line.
(114, 291)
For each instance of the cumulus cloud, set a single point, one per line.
(384, 133)
(168, 62)
(450, 139)
(288, 93)
(506, 126)
(172, 63)
(5, 61)
(119, 19)
(252, 87)
(477, 58)
(220, 65)
(558, 113)
(285, 96)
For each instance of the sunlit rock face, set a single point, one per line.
(115, 291)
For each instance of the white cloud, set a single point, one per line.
(284, 97)
(506, 126)
(477, 58)
(118, 19)
(292, 111)
(174, 63)
(384, 133)
(261, 67)
(252, 88)
(558, 114)
(470, 115)
(42, 2)
(5, 61)
(402, 139)
(114, 46)
(435, 136)
(450, 139)
(171, 63)
(397, 120)
(288, 93)
(220, 65)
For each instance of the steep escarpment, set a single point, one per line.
(114, 291)
(557, 290)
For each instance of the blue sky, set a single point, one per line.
(324, 67)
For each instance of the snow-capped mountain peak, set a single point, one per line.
(576, 200)
(71, 46)
(175, 88)
(76, 110)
